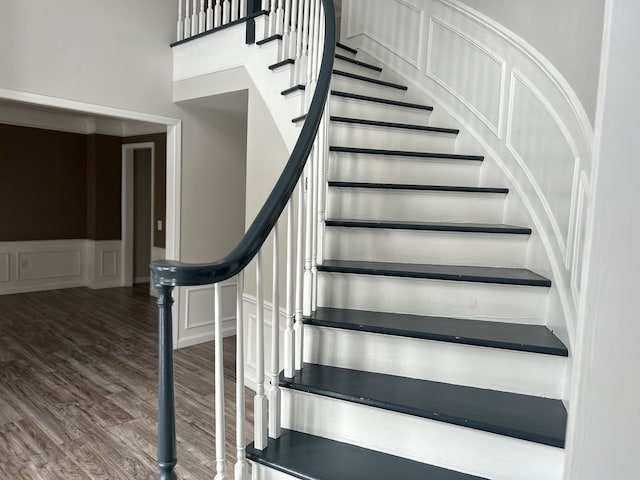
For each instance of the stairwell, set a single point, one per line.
(426, 350)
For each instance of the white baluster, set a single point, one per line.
(314, 224)
(299, 330)
(312, 45)
(280, 18)
(209, 14)
(234, 9)
(242, 467)
(272, 17)
(202, 18)
(274, 392)
(308, 216)
(265, 5)
(217, 15)
(221, 473)
(289, 340)
(305, 42)
(226, 12)
(187, 19)
(194, 18)
(322, 186)
(180, 24)
(243, 8)
(293, 37)
(260, 400)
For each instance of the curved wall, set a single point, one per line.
(567, 32)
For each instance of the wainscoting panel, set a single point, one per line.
(197, 323)
(49, 264)
(394, 12)
(481, 85)
(104, 263)
(4, 267)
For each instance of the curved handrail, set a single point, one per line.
(173, 273)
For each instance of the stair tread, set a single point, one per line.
(404, 126)
(461, 273)
(535, 419)
(386, 101)
(403, 153)
(369, 79)
(311, 457)
(295, 88)
(435, 226)
(483, 333)
(358, 62)
(286, 61)
(408, 186)
(272, 38)
(346, 47)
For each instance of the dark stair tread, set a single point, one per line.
(431, 226)
(369, 79)
(310, 457)
(404, 126)
(358, 62)
(287, 61)
(534, 419)
(272, 38)
(346, 47)
(295, 88)
(386, 101)
(403, 153)
(406, 186)
(299, 119)
(460, 273)
(482, 333)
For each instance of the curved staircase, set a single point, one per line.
(427, 357)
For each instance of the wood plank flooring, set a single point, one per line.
(78, 381)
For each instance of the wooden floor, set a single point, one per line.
(78, 376)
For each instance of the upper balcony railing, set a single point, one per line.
(308, 30)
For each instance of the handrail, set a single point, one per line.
(173, 273)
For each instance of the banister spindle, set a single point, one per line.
(194, 18)
(187, 19)
(260, 400)
(243, 8)
(226, 12)
(289, 339)
(167, 455)
(209, 14)
(180, 23)
(280, 18)
(272, 17)
(322, 186)
(241, 469)
(234, 9)
(305, 42)
(221, 449)
(274, 392)
(202, 17)
(293, 37)
(311, 45)
(217, 15)
(308, 242)
(314, 224)
(299, 277)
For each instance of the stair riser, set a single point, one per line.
(345, 107)
(506, 303)
(345, 66)
(260, 472)
(345, 84)
(379, 169)
(365, 136)
(373, 204)
(463, 449)
(482, 367)
(408, 246)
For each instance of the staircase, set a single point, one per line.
(426, 354)
(428, 346)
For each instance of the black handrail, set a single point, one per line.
(174, 274)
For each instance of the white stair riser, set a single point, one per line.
(260, 472)
(346, 84)
(367, 136)
(435, 206)
(483, 301)
(411, 246)
(349, 167)
(345, 66)
(482, 367)
(348, 107)
(475, 452)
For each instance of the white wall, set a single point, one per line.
(605, 418)
(117, 54)
(567, 32)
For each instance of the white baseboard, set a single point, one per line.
(31, 266)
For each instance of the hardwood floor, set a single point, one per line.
(78, 373)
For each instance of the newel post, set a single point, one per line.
(167, 455)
